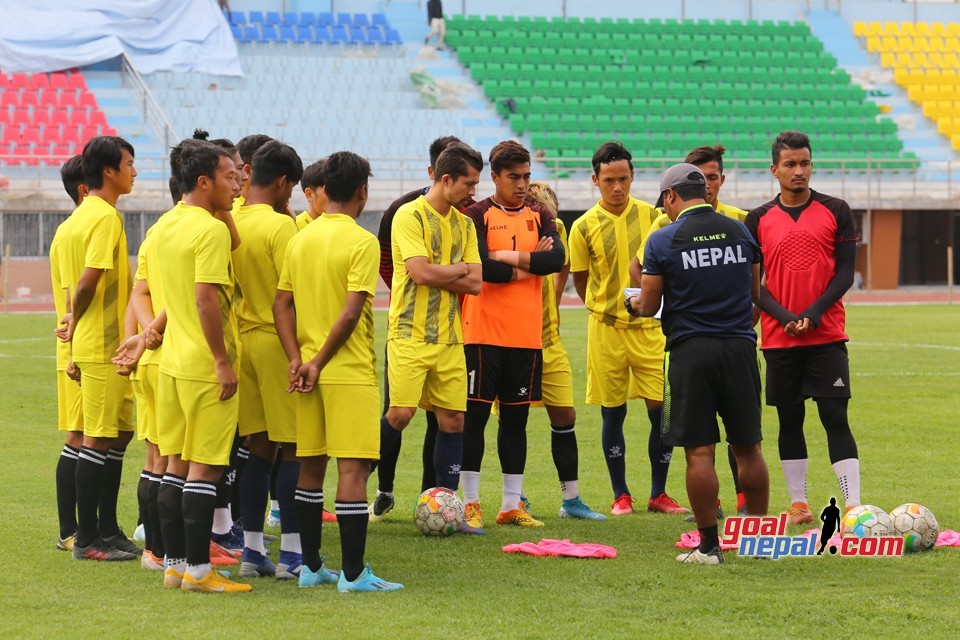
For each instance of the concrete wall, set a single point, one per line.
(884, 248)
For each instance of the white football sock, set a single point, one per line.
(570, 489)
(222, 522)
(198, 571)
(274, 505)
(290, 542)
(512, 488)
(253, 540)
(795, 473)
(848, 475)
(471, 486)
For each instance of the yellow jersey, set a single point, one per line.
(196, 249)
(551, 317)
(258, 262)
(303, 220)
(428, 314)
(94, 237)
(331, 257)
(603, 244)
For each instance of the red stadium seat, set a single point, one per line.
(29, 99)
(51, 135)
(4, 80)
(49, 99)
(21, 117)
(10, 134)
(68, 99)
(30, 135)
(19, 81)
(61, 152)
(58, 81)
(9, 99)
(98, 119)
(87, 101)
(108, 131)
(39, 81)
(76, 81)
(41, 117)
(70, 135)
(48, 157)
(20, 150)
(86, 133)
(59, 118)
(78, 117)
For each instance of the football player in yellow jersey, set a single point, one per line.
(624, 354)
(710, 160)
(69, 407)
(312, 185)
(95, 267)
(557, 378)
(323, 311)
(197, 404)
(247, 147)
(436, 259)
(267, 414)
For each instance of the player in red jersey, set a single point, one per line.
(809, 247)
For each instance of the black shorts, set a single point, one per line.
(706, 377)
(508, 374)
(793, 375)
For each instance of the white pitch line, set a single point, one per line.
(908, 374)
(7, 355)
(21, 340)
(937, 347)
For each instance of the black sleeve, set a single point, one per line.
(493, 270)
(753, 223)
(543, 263)
(840, 283)
(768, 304)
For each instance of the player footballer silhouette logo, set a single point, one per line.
(830, 517)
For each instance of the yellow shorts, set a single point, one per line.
(339, 420)
(623, 364)
(194, 423)
(426, 375)
(107, 400)
(144, 385)
(263, 378)
(69, 404)
(557, 380)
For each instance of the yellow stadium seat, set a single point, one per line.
(907, 28)
(888, 60)
(937, 44)
(953, 29)
(890, 43)
(922, 28)
(859, 29)
(938, 29)
(921, 60)
(906, 43)
(874, 44)
(891, 28)
(874, 29)
(956, 142)
(951, 60)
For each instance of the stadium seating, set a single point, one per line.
(322, 28)
(43, 114)
(665, 86)
(924, 60)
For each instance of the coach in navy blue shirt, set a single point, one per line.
(705, 268)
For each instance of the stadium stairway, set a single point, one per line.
(918, 134)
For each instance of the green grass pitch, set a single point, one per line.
(906, 374)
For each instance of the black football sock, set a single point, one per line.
(237, 466)
(309, 505)
(447, 459)
(153, 513)
(791, 443)
(840, 442)
(198, 501)
(566, 457)
(90, 463)
(732, 459)
(143, 498)
(110, 492)
(254, 492)
(429, 444)
(389, 454)
(659, 453)
(512, 438)
(287, 476)
(67, 491)
(709, 538)
(277, 461)
(474, 424)
(352, 518)
(615, 447)
(170, 512)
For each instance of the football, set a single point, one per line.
(917, 525)
(439, 512)
(866, 521)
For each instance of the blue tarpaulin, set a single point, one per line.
(157, 35)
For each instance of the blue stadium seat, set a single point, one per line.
(237, 32)
(358, 35)
(273, 18)
(393, 37)
(287, 34)
(379, 20)
(344, 20)
(304, 34)
(237, 18)
(290, 18)
(308, 19)
(360, 20)
(251, 34)
(326, 20)
(375, 35)
(256, 17)
(269, 33)
(321, 35)
(340, 35)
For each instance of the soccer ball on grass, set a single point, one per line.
(866, 521)
(439, 512)
(917, 525)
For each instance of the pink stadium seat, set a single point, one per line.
(59, 118)
(48, 157)
(4, 80)
(39, 81)
(70, 135)
(30, 135)
(10, 134)
(19, 81)
(20, 150)
(76, 81)
(41, 117)
(78, 117)
(50, 135)
(29, 99)
(61, 151)
(87, 101)
(68, 99)
(86, 133)
(21, 117)
(9, 99)
(58, 81)
(107, 131)
(49, 99)
(98, 119)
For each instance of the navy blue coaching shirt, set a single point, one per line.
(706, 260)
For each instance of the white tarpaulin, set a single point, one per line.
(157, 35)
